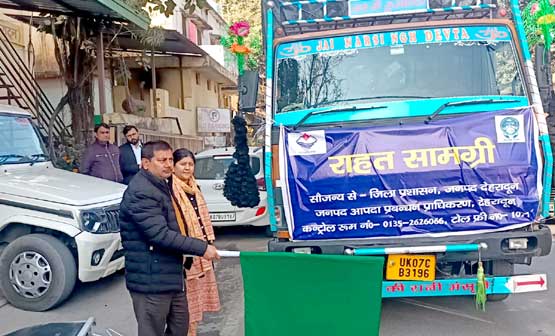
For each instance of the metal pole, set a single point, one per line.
(154, 96)
(182, 85)
(100, 70)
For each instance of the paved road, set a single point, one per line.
(109, 303)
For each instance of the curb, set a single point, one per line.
(3, 302)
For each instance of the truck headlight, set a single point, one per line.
(95, 221)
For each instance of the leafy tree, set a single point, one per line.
(75, 52)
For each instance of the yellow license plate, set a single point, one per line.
(411, 267)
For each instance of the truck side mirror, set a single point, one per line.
(248, 91)
(542, 63)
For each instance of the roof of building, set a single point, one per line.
(174, 43)
(117, 10)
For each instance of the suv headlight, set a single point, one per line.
(95, 221)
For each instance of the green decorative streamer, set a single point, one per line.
(481, 296)
(539, 23)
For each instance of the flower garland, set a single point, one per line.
(235, 42)
(539, 22)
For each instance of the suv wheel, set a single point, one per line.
(37, 272)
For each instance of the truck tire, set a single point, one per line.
(37, 272)
(268, 232)
(501, 267)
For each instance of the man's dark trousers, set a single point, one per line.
(161, 314)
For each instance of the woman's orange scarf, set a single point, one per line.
(189, 223)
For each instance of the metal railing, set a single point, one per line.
(22, 89)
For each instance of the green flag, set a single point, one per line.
(303, 295)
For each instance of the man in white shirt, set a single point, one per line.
(130, 153)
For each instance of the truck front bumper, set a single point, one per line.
(99, 255)
(465, 286)
(539, 244)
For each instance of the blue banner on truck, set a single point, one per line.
(475, 172)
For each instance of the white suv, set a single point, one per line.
(55, 226)
(210, 170)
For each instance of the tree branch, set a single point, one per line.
(63, 102)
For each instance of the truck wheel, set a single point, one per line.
(501, 267)
(268, 232)
(37, 272)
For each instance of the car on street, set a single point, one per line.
(210, 169)
(56, 226)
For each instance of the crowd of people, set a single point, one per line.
(165, 228)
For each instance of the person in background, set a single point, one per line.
(130, 153)
(155, 248)
(194, 219)
(101, 158)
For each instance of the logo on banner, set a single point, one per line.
(214, 116)
(307, 143)
(510, 129)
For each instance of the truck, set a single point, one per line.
(412, 130)
(56, 226)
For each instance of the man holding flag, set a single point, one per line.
(154, 247)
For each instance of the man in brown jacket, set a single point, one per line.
(101, 159)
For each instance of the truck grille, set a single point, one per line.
(113, 219)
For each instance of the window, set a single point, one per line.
(209, 85)
(18, 141)
(458, 69)
(197, 78)
(214, 168)
(192, 32)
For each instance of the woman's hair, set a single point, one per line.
(182, 153)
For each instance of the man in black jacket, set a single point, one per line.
(130, 153)
(154, 247)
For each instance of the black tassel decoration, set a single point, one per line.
(240, 186)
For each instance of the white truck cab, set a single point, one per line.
(56, 226)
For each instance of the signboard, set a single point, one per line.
(393, 38)
(467, 173)
(213, 120)
(359, 8)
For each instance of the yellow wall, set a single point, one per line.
(202, 97)
(196, 95)
(169, 80)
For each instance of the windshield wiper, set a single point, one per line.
(35, 158)
(375, 97)
(468, 102)
(334, 110)
(5, 157)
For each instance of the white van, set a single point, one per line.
(210, 170)
(55, 226)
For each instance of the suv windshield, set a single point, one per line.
(19, 142)
(433, 63)
(214, 168)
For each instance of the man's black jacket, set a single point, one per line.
(127, 162)
(153, 245)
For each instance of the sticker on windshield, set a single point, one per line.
(22, 121)
(510, 129)
(307, 143)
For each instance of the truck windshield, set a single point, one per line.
(393, 71)
(19, 142)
